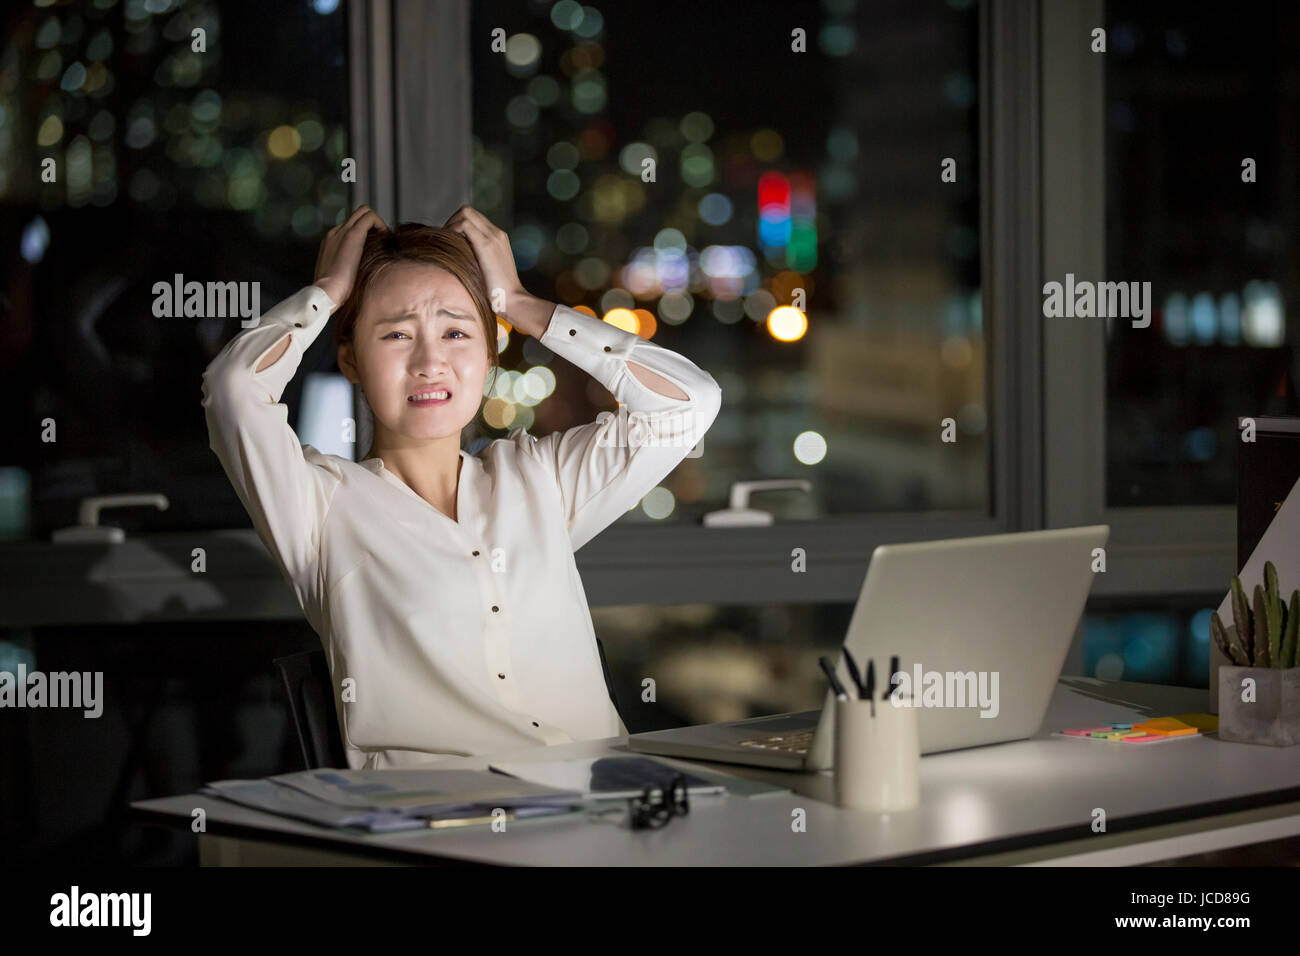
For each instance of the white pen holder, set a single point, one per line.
(877, 759)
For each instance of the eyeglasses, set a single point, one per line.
(647, 813)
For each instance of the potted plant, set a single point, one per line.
(1259, 687)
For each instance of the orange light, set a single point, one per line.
(624, 319)
(648, 326)
(785, 323)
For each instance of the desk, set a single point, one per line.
(1023, 802)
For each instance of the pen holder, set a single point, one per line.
(877, 759)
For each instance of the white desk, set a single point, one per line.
(1025, 802)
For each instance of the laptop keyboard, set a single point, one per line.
(794, 743)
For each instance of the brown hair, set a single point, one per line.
(417, 242)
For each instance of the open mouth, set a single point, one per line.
(429, 398)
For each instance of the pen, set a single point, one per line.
(871, 685)
(508, 813)
(830, 675)
(438, 824)
(893, 672)
(853, 672)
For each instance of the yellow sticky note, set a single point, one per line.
(1205, 723)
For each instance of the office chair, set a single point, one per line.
(307, 687)
(306, 680)
(609, 679)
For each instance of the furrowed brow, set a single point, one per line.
(409, 315)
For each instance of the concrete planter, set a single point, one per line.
(1273, 717)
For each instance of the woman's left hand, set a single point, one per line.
(492, 249)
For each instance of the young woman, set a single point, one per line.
(442, 584)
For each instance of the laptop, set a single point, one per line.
(981, 627)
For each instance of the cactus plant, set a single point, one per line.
(1229, 648)
(1267, 629)
(1260, 628)
(1288, 657)
(1275, 611)
(1241, 617)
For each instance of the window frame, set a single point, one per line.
(1152, 551)
(1041, 126)
(1041, 213)
(412, 168)
(680, 563)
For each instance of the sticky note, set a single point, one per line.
(1187, 732)
(1084, 731)
(1124, 726)
(1165, 725)
(1142, 738)
(1205, 723)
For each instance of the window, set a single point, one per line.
(1152, 641)
(678, 169)
(134, 150)
(1201, 180)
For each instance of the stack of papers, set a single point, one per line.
(386, 800)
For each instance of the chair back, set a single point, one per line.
(307, 687)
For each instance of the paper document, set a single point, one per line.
(383, 800)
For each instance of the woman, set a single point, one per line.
(442, 584)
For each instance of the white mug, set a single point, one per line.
(877, 759)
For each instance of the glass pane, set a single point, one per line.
(781, 218)
(1201, 202)
(129, 157)
(1152, 642)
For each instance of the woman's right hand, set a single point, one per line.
(340, 253)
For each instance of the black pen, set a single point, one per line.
(871, 684)
(830, 674)
(853, 672)
(893, 672)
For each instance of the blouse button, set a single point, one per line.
(536, 724)
(573, 331)
(476, 554)
(495, 608)
(502, 676)
(607, 348)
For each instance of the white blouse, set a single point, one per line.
(452, 637)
